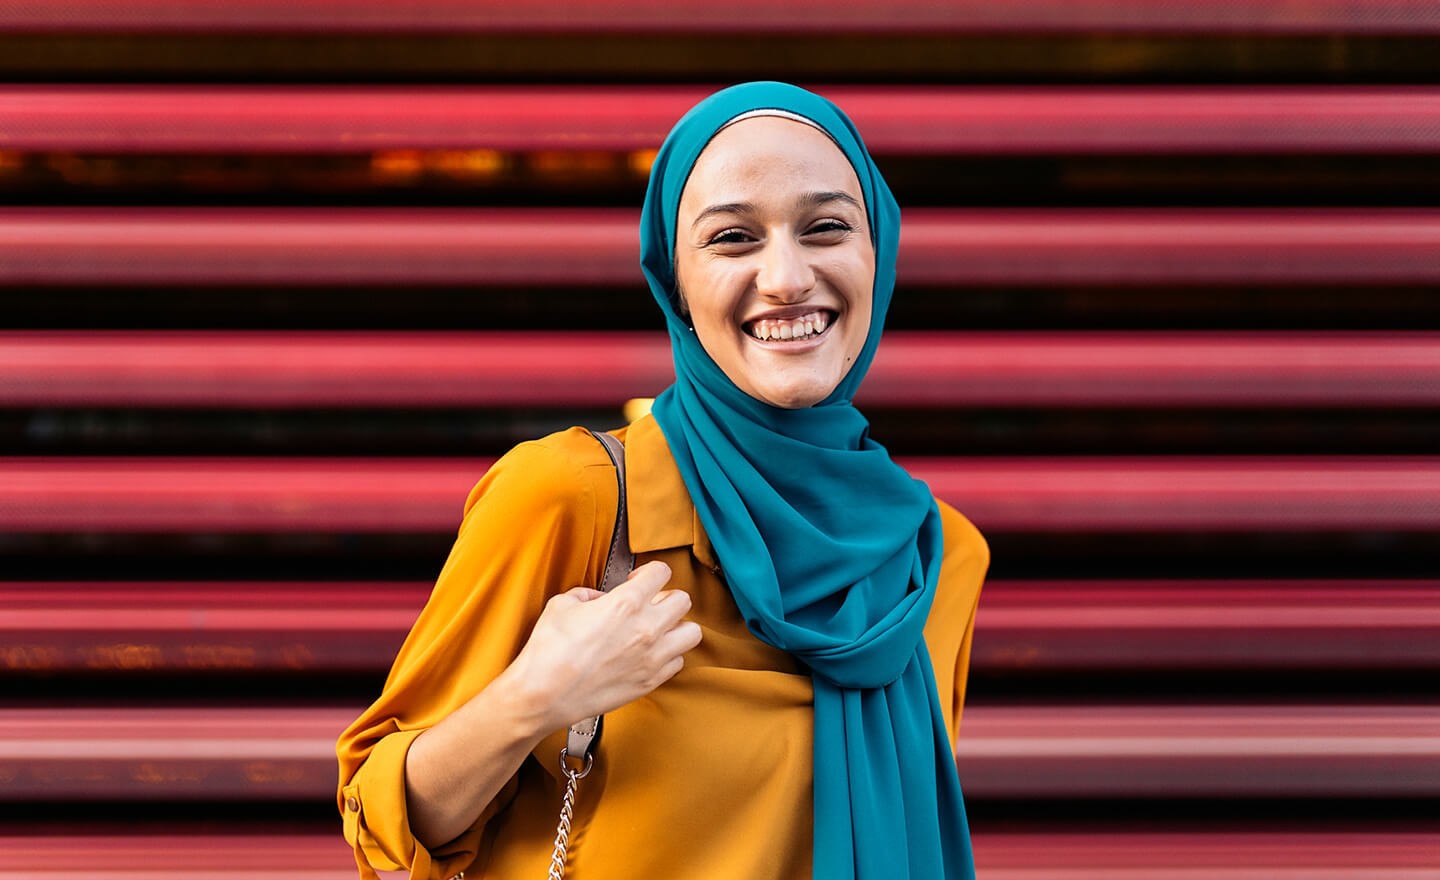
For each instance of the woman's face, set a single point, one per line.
(773, 259)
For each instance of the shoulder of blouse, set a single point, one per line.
(962, 539)
(553, 471)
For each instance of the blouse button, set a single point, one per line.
(352, 804)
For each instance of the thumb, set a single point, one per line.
(646, 581)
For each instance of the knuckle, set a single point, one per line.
(642, 640)
(560, 600)
(625, 603)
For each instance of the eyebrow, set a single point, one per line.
(809, 200)
(815, 200)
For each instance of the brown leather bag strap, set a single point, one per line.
(620, 561)
(583, 735)
(580, 744)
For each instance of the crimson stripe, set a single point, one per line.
(1226, 852)
(743, 16)
(287, 369)
(1028, 626)
(1212, 750)
(1362, 750)
(920, 120)
(1004, 494)
(1042, 626)
(44, 246)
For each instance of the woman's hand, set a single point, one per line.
(591, 652)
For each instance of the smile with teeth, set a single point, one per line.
(802, 327)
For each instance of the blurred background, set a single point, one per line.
(278, 280)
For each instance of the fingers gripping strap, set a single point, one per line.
(618, 564)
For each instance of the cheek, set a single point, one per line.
(858, 333)
(707, 293)
(861, 295)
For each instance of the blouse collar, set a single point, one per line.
(658, 504)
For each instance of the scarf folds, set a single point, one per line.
(831, 550)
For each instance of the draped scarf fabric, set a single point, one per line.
(831, 550)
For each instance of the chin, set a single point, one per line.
(793, 397)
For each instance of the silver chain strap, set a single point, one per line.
(567, 812)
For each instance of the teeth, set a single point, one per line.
(796, 328)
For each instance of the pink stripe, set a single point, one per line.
(1073, 494)
(40, 246)
(924, 120)
(744, 16)
(605, 369)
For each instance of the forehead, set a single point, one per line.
(770, 156)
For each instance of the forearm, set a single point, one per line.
(456, 768)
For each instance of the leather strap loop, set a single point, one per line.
(619, 562)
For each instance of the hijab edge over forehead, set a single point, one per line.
(675, 161)
(775, 113)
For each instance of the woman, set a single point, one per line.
(783, 673)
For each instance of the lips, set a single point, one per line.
(796, 328)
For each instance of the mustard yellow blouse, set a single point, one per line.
(708, 778)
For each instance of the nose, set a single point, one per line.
(785, 273)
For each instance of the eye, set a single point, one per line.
(730, 236)
(830, 227)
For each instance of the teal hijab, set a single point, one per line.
(831, 550)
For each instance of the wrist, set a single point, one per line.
(527, 704)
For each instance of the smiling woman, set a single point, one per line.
(782, 676)
(775, 266)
